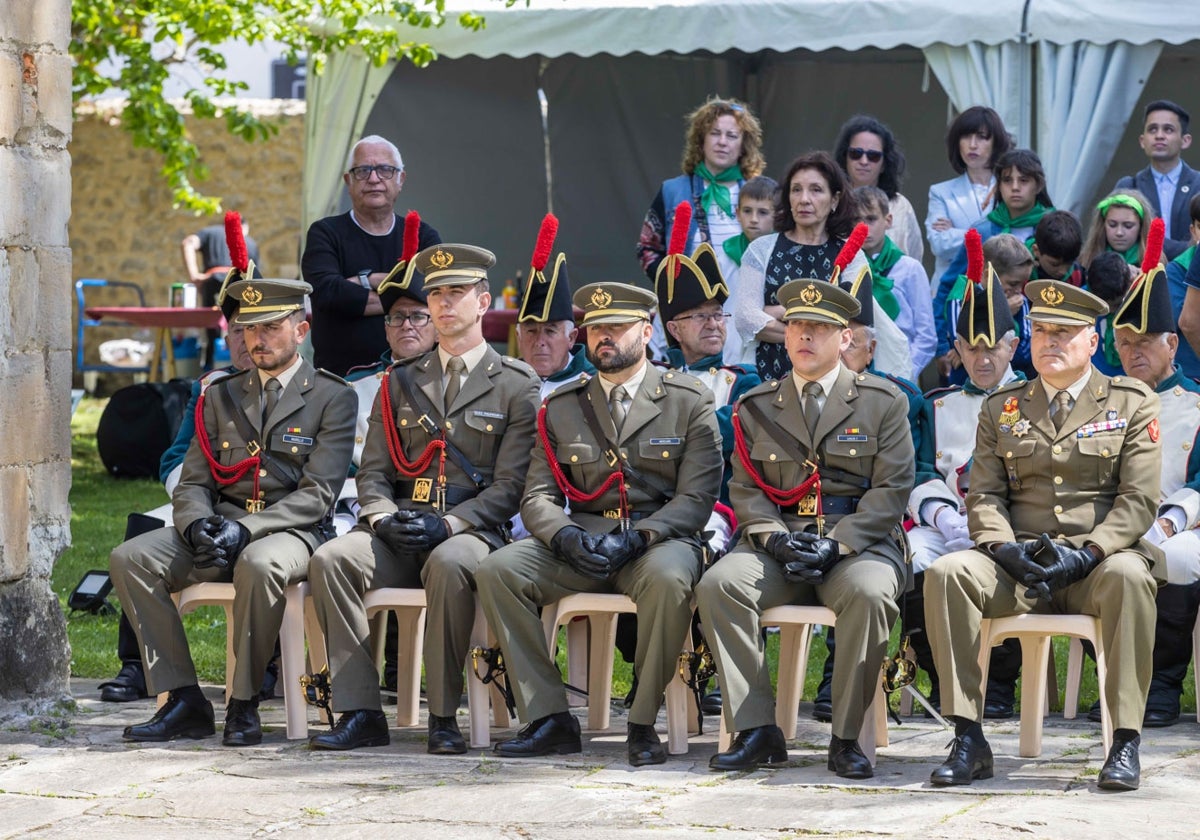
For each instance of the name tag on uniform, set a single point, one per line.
(495, 415)
(665, 441)
(852, 438)
(299, 440)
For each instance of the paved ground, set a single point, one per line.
(73, 776)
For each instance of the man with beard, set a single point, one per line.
(635, 452)
(253, 502)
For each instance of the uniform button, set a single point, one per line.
(449, 425)
(1057, 449)
(1186, 447)
(939, 403)
(574, 458)
(853, 451)
(358, 440)
(262, 473)
(404, 422)
(1104, 452)
(772, 456)
(224, 444)
(1178, 391)
(666, 454)
(939, 455)
(489, 427)
(1058, 479)
(1058, 508)
(1008, 454)
(295, 449)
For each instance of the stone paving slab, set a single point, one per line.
(78, 778)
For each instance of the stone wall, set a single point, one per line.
(123, 226)
(35, 343)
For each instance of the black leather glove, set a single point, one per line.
(1016, 559)
(418, 532)
(1059, 565)
(196, 535)
(219, 543)
(618, 549)
(815, 556)
(573, 545)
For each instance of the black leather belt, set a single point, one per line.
(424, 491)
(613, 513)
(835, 505)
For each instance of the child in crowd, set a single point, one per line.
(1013, 263)
(756, 216)
(899, 283)
(1120, 225)
(1057, 241)
(1109, 277)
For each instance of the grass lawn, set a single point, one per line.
(100, 503)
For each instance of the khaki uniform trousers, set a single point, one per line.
(521, 578)
(861, 589)
(340, 574)
(965, 587)
(148, 568)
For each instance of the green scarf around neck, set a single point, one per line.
(735, 247)
(716, 192)
(881, 284)
(1001, 218)
(1133, 256)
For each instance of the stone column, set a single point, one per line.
(35, 343)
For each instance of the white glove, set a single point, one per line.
(953, 527)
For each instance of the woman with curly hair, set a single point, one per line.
(868, 153)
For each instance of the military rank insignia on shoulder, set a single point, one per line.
(332, 376)
(518, 364)
(876, 381)
(1130, 383)
(683, 380)
(568, 387)
(768, 387)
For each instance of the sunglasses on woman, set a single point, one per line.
(873, 155)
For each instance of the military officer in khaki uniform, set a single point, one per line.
(1064, 483)
(635, 452)
(854, 429)
(254, 500)
(429, 514)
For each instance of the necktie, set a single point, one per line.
(1063, 402)
(616, 406)
(811, 410)
(272, 390)
(454, 367)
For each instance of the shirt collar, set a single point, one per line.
(1171, 177)
(285, 377)
(1074, 389)
(631, 385)
(826, 382)
(470, 357)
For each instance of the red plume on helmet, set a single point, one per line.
(412, 236)
(235, 240)
(974, 245)
(1154, 246)
(545, 243)
(680, 227)
(853, 244)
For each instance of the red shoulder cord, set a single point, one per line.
(573, 493)
(223, 475)
(783, 498)
(408, 469)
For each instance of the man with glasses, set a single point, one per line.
(442, 471)
(347, 256)
(635, 453)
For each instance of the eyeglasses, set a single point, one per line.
(417, 319)
(385, 172)
(702, 318)
(873, 155)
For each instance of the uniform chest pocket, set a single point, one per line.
(580, 458)
(777, 466)
(294, 445)
(1102, 456)
(1017, 457)
(661, 449)
(851, 449)
(487, 422)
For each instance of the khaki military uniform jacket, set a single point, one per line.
(863, 431)
(310, 433)
(669, 435)
(491, 423)
(1095, 481)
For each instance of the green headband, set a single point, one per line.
(1123, 200)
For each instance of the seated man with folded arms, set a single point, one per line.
(1064, 484)
(834, 543)
(254, 500)
(442, 469)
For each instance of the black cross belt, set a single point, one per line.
(424, 490)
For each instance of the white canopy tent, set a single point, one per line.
(578, 104)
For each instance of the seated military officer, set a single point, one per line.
(832, 543)
(635, 452)
(442, 470)
(985, 342)
(546, 330)
(1064, 483)
(1146, 342)
(253, 501)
